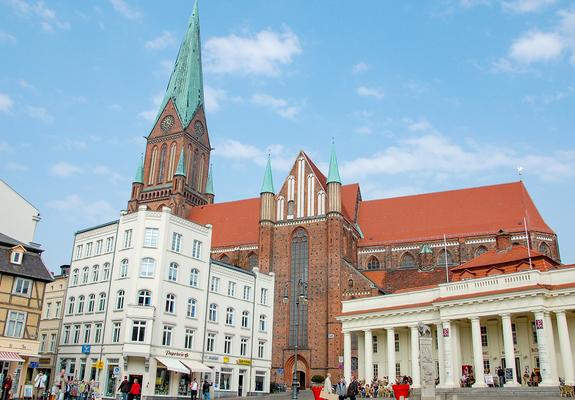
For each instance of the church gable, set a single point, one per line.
(167, 123)
(303, 193)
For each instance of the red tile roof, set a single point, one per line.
(405, 279)
(465, 212)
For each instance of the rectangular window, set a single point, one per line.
(375, 370)
(264, 296)
(227, 344)
(215, 284)
(66, 335)
(397, 343)
(109, 244)
(58, 309)
(76, 334)
(397, 369)
(486, 367)
(87, 331)
(484, 336)
(211, 342)
(261, 349)
(99, 244)
(151, 236)
(116, 329)
(176, 242)
(514, 333)
(196, 249)
(138, 331)
(48, 310)
(226, 378)
(127, 238)
(189, 339)
(167, 335)
(374, 344)
(89, 249)
(79, 249)
(247, 293)
(243, 346)
(22, 287)
(97, 333)
(52, 343)
(260, 379)
(43, 339)
(231, 289)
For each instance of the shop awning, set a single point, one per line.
(10, 356)
(196, 366)
(173, 365)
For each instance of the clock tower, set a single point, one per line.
(174, 171)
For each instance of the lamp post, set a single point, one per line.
(299, 297)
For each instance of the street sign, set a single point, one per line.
(116, 370)
(99, 364)
(34, 364)
(86, 348)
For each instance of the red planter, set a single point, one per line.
(400, 390)
(316, 391)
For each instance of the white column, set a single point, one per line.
(455, 352)
(368, 356)
(360, 356)
(477, 352)
(551, 349)
(440, 353)
(391, 355)
(509, 348)
(565, 345)
(347, 357)
(415, 355)
(447, 356)
(541, 329)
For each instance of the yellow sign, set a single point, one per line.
(226, 359)
(99, 364)
(243, 361)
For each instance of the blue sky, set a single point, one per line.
(419, 96)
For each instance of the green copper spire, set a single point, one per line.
(140, 172)
(268, 184)
(210, 183)
(333, 175)
(181, 170)
(186, 87)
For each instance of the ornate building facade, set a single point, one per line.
(315, 230)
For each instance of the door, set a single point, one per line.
(518, 369)
(240, 384)
(301, 379)
(132, 378)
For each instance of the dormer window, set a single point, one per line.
(16, 255)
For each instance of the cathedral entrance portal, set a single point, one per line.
(302, 374)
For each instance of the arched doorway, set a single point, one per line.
(303, 373)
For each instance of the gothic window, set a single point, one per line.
(321, 203)
(544, 249)
(480, 250)
(310, 195)
(201, 172)
(299, 273)
(253, 260)
(407, 261)
(152, 175)
(290, 209)
(173, 161)
(162, 164)
(441, 259)
(189, 165)
(373, 263)
(280, 208)
(225, 258)
(195, 169)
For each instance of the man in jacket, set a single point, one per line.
(353, 389)
(341, 389)
(124, 388)
(206, 389)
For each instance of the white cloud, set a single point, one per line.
(365, 91)
(546, 99)
(40, 113)
(125, 9)
(262, 54)
(64, 169)
(7, 38)
(71, 145)
(15, 167)
(161, 42)
(364, 130)
(6, 103)
(419, 125)
(115, 107)
(48, 17)
(280, 106)
(213, 98)
(236, 151)
(451, 160)
(536, 46)
(150, 115)
(360, 67)
(526, 6)
(73, 207)
(113, 176)
(27, 85)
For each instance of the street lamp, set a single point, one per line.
(301, 298)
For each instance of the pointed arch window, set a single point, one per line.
(373, 263)
(280, 208)
(253, 260)
(544, 249)
(153, 162)
(299, 273)
(195, 169)
(480, 250)
(201, 172)
(321, 203)
(162, 164)
(173, 161)
(310, 195)
(441, 258)
(189, 165)
(407, 261)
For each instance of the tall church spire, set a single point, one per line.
(333, 175)
(268, 183)
(139, 178)
(210, 183)
(186, 87)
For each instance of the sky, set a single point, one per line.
(417, 96)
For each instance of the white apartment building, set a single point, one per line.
(20, 219)
(162, 313)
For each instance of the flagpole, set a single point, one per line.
(528, 242)
(445, 252)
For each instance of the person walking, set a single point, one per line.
(135, 390)
(206, 389)
(194, 389)
(341, 389)
(353, 389)
(6, 387)
(327, 386)
(40, 384)
(501, 376)
(124, 388)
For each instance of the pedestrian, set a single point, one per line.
(194, 389)
(206, 389)
(501, 376)
(124, 388)
(353, 389)
(40, 384)
(6, 387)
(135, 390)
(341, 389)
(327, 386)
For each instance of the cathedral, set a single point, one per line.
(315, 232)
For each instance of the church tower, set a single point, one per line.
(267, 220)
(174, 172)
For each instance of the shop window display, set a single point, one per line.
(260, 378)
(184, 385)
(111, 381)
(226, 379)
(162, 381)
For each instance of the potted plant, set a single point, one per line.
(317, 385)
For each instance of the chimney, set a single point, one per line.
(502, 241)
(65, 270)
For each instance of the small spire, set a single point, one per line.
(425, 249)
(210, 183)
(333, 175)
(181, 170)
(268, 183)
(139, 178)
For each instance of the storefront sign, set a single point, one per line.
(243, 361)
(99, 364)
(226, 359)
(181, 354)
(213, 358)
